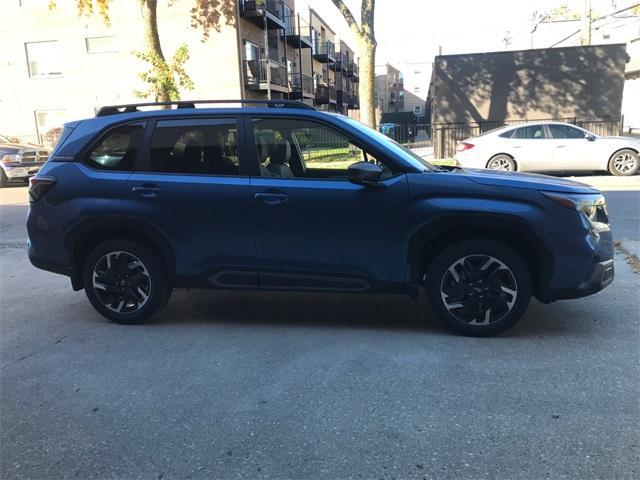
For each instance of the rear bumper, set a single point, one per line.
(47, 265)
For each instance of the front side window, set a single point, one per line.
(116, 150)
(43, 59)
(303, 149)
(565, 131)
(531, 132)
(198, 147)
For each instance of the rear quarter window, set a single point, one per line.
(116, 150)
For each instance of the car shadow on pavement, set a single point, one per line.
(386, 312)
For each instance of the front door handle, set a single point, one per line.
(560, 146)
(272, 198)
(147, 190)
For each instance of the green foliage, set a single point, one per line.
(164, 79)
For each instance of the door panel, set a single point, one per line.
(314, 229)
(190, 188)
(330, 234)
(531, 149)
(571, 150)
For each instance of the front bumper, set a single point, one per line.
(601, 277)
(23, 171)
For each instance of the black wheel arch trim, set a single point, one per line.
(438, 230)
(117, 226)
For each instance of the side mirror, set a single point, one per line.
(589, 137)
(364, 173)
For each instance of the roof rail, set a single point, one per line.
(179, 104)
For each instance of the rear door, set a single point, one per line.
(531, 149)
(191, 185)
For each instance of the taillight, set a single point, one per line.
(467, 146)
(38, 186)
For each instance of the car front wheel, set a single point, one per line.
(478, 287)
(125, 281)
(624, 163)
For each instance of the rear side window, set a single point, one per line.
(198, 147)
(116, 150)
(531, 132)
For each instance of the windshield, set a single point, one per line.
(400, 150)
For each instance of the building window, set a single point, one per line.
(417, 110)
(100, 44)
(49, 122)
(43, 59)
(416, 89)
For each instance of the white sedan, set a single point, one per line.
(547, 147)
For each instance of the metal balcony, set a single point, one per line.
(301, 86)
(325, 94)
(324, 52)
(297, 32)
(257, 11)
(262, 75)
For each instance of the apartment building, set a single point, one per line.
(57, 66)
(389, 89)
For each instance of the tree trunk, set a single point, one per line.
(152, 38)
(367, 51)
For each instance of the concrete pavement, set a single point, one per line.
(255, 385)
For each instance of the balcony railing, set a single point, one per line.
(297, 32)
(259, 10)
(325, 94)
(324, 52)
(258, 73)
(352, 70)
(301, 86)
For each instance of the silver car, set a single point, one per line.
(547, 147)
(19, 162)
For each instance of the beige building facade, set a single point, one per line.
(57, 66)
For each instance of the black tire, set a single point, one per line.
(126, 271)
(502, 162)
(467, 312)
(624, 163)
(4, 181)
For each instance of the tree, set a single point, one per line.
(364, 34)
(165, 79)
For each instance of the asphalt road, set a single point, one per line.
(248, 385)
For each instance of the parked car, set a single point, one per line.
(133, 204)
(19, 161)
(548, 147)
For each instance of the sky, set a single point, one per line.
(411, 31)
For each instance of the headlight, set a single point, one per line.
(592, 206)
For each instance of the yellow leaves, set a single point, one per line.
(86, 7)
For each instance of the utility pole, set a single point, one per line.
(585, 39)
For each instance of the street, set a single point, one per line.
(290, 385)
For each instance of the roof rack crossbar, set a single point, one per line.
(180, 104)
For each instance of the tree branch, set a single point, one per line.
(367, 10)
(348, 16)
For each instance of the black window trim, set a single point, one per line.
(364, 146)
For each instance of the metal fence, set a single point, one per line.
(445, 136)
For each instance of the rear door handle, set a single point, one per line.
(560, 146)
(272, 198)
(147, 191)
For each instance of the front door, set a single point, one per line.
(314, 229)
(572, 150)
(192, 187)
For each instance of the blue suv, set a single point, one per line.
(277, 196)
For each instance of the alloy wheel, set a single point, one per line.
(478, 289)
(121, 282)
(624, 162)
(500, 163)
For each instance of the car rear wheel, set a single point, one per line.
(502, 162)
(624, 163)
(125, 281)
(478, 287)
(4, 180)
